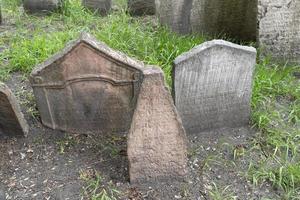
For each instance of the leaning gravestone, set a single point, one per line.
(279, 29)
(87, 87)
(157, 142)
(235, 18)
(12, 122)
(41, 6)
(141, 7)
(212, 85)
(102, 6)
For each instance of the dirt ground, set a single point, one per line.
(52, 164)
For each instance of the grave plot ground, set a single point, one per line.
(256, 162)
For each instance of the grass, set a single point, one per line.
(28, 40)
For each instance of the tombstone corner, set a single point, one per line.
(12, 121)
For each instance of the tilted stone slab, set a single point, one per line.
(12, 121)
(102, 6)
(141, 7)
(212, 85)
(175, 14)
(235, 18)
(41, 6)
(157, 144)
(87, 87)
(279, 29)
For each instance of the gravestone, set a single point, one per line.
(212, 85)
(87, 87)
(102, 6)
(12, 122)
(175, 14)
(41, 6)
(235, 18)
(141, 7)
(279, 29)
(157, 142)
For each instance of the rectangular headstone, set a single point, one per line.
(235, 18)
(141, 7)
(102, 6)
(12, 121)
(212, 85)
(41, 6)
(157, 144)
(87, 87)
(279, 29)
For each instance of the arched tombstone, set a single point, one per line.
(212, 85)
(279, 29)
(141, 7)
(87, 87)
(12, 121)
(235, 18)
(41, 6)
(102, 6)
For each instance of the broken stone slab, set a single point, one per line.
(279, 29)
(175, 14)
(101, 6)
(141, 7)
(157, 144)
(212, 85)
(41, 6)
(12, 121)
(87, 88)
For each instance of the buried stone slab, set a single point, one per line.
(41, 6)
(279, 29)
(12, 121)
(87, 87)
(212, 85)
(157, 144)
(102, 6)
(141, 7)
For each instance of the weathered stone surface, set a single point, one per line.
(12, 122)
(102, 6)
(41, 6)
(87, 87)
(234, 18)
(279, 29)
(175, 14)
(157, 148)
(141, 7)
(212, 85)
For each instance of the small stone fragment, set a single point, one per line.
(41, 6)
(101, 6)
(141, 7)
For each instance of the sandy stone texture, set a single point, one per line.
(87, 88)
(279, 29)
(12, 121)
(157, 144)
(212, 85)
